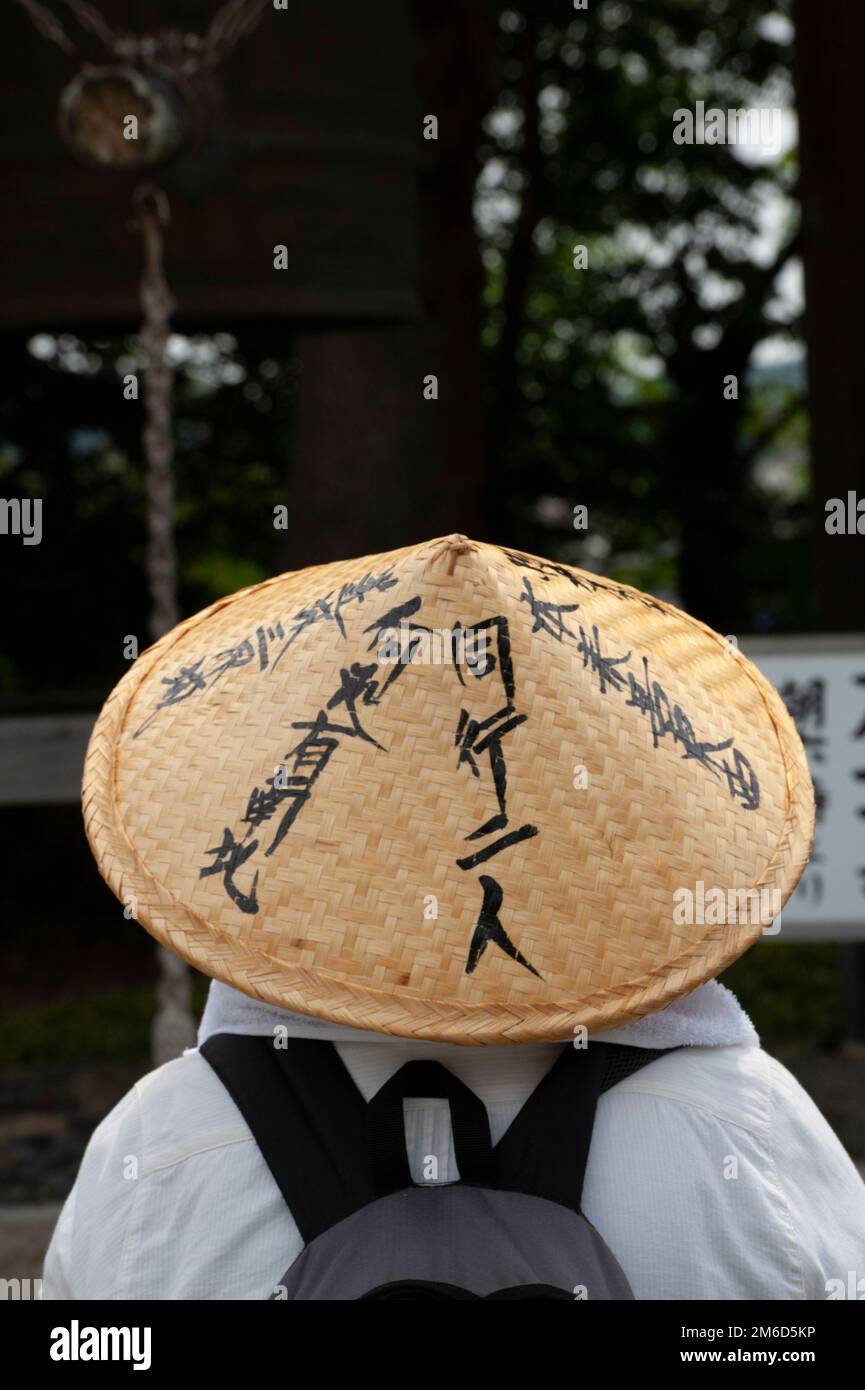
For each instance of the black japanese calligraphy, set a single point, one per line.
(548, 616)
(513, 837)
(230, 856)
(362, 685)
(489, 929)
(328, 609)
(473, 738)
(806, 703)
(203, 674)
(190, 680)
(546, 569)
(648, 696)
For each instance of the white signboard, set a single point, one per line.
(822, 682)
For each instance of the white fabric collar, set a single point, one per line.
(710, 1016)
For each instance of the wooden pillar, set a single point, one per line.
(376, 464)
(829, 42)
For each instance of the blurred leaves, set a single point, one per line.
(791, 991)
(605, 385)
(613, 397)
(67, 435)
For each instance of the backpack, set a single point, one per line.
(511, 1226)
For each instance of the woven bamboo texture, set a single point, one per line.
(477, 835)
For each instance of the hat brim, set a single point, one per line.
(599, 969)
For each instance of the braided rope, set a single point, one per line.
(92, 21)
(173, 1027)
(48, 25)
(232, 22)
(157, 306)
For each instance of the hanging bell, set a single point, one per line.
(123, 118)
(137, 115)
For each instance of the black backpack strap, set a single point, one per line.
(308, 1119)
(470, 1126)
(331, 1154)
(622, 1061)
(545, 1150)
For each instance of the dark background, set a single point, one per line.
(557, 387)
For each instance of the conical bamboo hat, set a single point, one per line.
(450, 792)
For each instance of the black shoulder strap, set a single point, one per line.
(331, 1154)
(546, 1148)
(308, 1119)
(622, 1061)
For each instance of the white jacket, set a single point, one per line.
(711, 1175)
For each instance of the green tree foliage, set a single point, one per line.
(608, 382)
(68, 436)
(605, 388)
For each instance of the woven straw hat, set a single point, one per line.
(452, 792)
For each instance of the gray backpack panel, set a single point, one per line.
(511, 1227)
(477, 1239)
